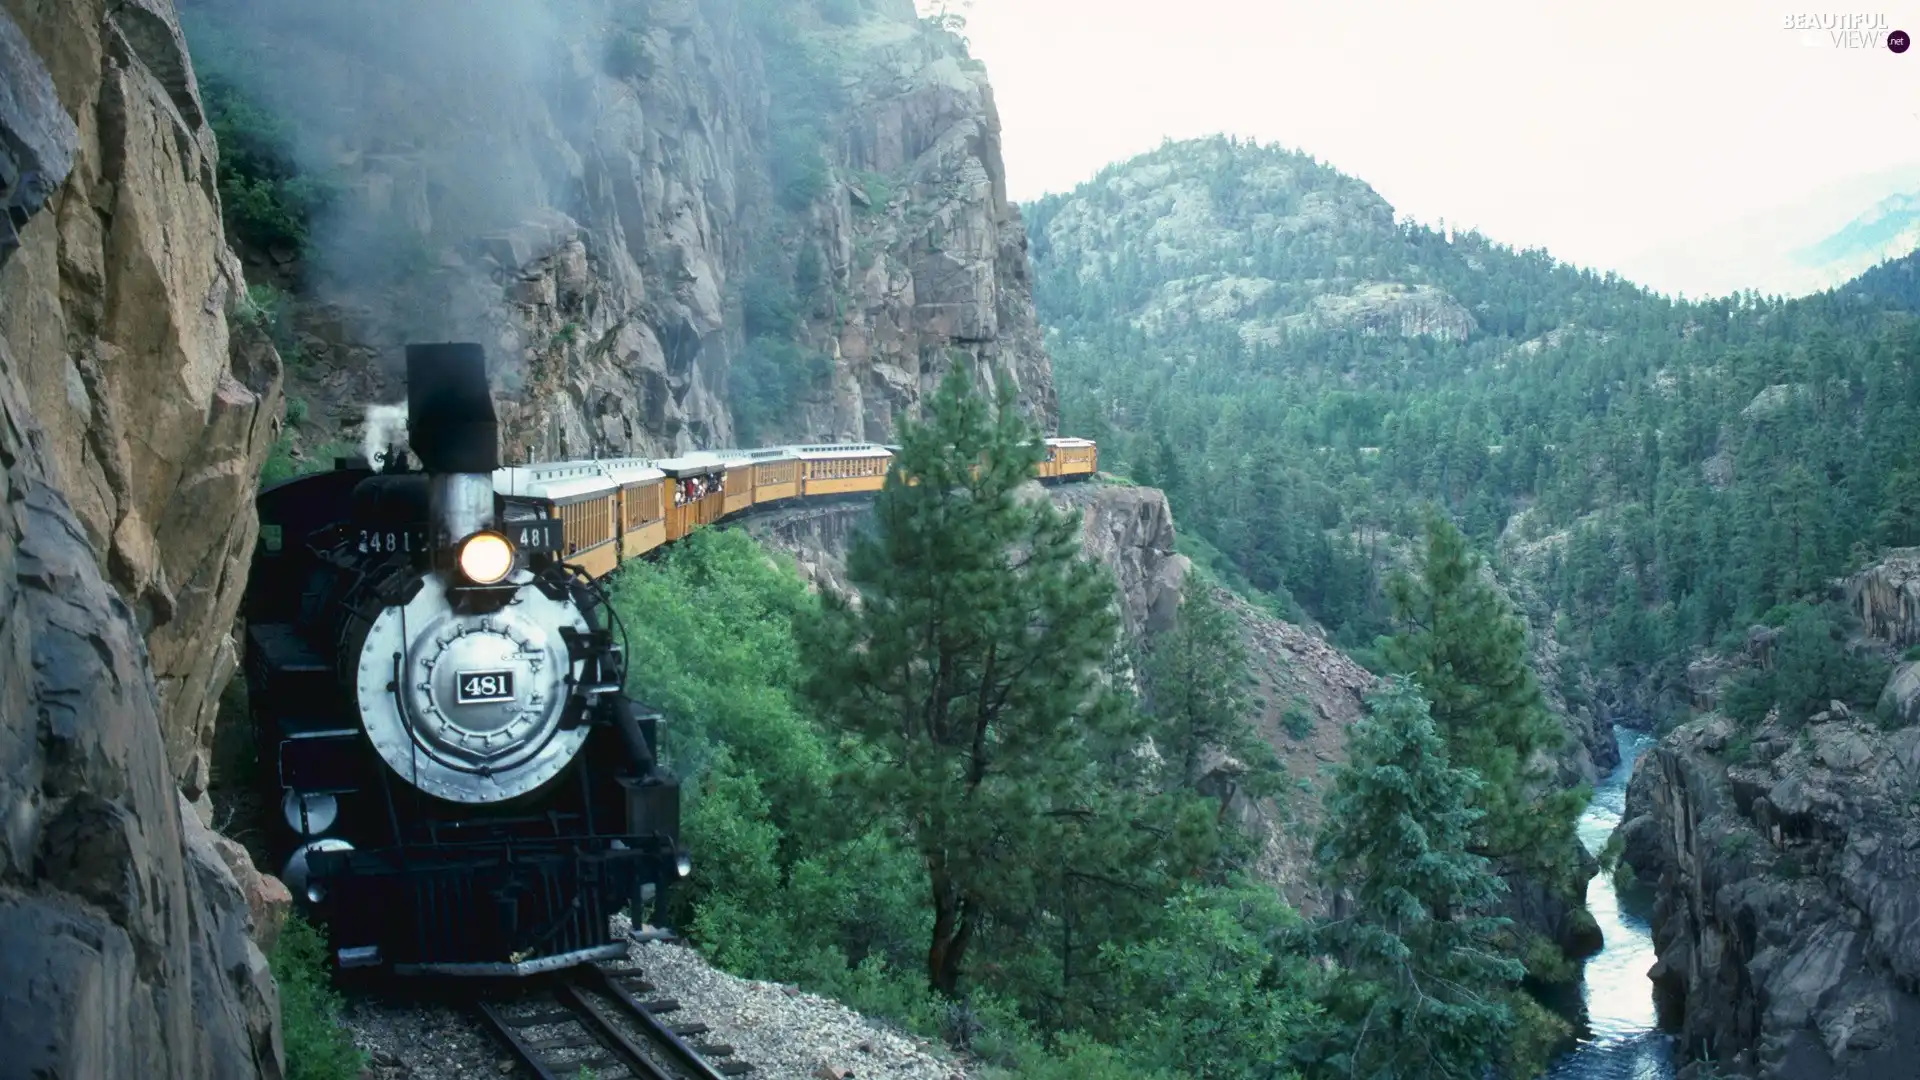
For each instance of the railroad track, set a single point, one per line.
(602, 1017)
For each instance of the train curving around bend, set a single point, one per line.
(438, 693)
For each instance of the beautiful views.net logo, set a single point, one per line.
(1846, 30)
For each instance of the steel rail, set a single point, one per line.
(684, 1054)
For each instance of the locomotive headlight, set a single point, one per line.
(486, 558)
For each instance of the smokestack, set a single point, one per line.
(450, 421)
(452, 430)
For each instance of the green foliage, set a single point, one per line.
(266, 198)
(1420, 991)
(282, 465)
(318, 1048)
(1195, 673)
(1467, 651)
(1297, 721)
(800, 173)
(1670, 495)
(802, 93)
(1219, 1001)
(771, 894)
(790, 885)
(1545, 962)
(1538, 1037)
(973, 669)
(1812, 664)
(767, 377)
(878, 190)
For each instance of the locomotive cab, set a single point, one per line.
(437, 698)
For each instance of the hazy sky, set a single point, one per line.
(1596, 129)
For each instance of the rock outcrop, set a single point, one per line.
(612, 210)
(127, 947)
(1886, 597)
(1129, 530)
(1788, 919)
(114, 307)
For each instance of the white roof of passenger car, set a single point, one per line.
(1070, 444)
(829, 451)
(698, 459)
(553, 480)
(631, 470)
(560, 480)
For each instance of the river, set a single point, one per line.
(1616, 1029)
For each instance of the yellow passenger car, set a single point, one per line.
(696, 492)
(585, 500)
(836, 469)
(776, 475)
(1070, 457)
(736, 482)
(643, 515)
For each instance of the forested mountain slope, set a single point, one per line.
(1256, 333)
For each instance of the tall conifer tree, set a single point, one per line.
(1421, 991)
(1196, 678)
(972, 668)
(1459, 641)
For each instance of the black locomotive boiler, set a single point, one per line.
(463, 786)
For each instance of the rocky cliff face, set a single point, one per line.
(1788, 923)
(124, 934)
(114, 307)
(616, 198)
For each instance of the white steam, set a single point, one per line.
(385, 426)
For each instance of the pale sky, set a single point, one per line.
(1597, 130)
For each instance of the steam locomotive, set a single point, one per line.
(464, 787)
(438, 705)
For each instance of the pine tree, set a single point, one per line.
(1464, 647)
(1196, 674)
(972, 670)
(1420, 993)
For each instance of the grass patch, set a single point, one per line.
(317, 1046)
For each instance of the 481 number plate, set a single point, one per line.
(481, 687)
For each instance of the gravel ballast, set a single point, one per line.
(786, 1034)
(783, 1033)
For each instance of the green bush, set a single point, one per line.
(317, 1047)
(783, 887)
(800, 172)
(1298, 721)
(1812, 664)
(878, 190)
